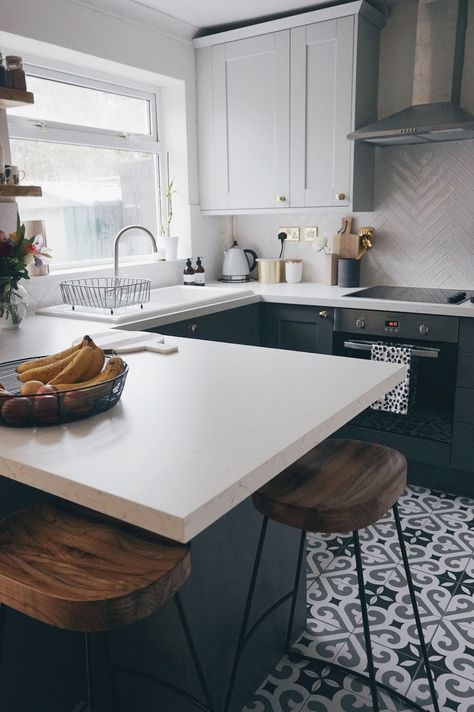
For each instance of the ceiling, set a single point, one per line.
(188, 17)
(216, 12)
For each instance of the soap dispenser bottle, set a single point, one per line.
(199, 274)
(188, 273)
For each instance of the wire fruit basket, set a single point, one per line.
(105, 292)
(19, 411)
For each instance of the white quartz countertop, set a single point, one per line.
(315, 294)
(195, 433)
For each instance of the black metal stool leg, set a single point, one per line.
(193, 651)
(3, 616)
(365, 622)
(245, 620)
(90, 679)
(414, 604)
(294, 595)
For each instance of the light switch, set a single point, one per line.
(311, 233)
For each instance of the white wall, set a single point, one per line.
(97, 41)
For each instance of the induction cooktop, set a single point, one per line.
(415, 294)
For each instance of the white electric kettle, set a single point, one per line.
(237, 266)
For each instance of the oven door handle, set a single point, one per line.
(421, 352)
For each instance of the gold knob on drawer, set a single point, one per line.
(281, 198)
(341, 196)
(193, 328)
(324, 314)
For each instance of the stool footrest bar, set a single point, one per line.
(164, 683)
(265, 615)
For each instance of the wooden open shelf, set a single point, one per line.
(19, 191)
(14, 97)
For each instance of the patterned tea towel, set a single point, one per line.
(398, 399)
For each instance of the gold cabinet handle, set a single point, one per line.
(324, 314)
(341, 196)
(193, 328)
(281, 198)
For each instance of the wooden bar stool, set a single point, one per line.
(75, 571)
(339, 486)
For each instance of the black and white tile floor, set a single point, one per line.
(439, 530)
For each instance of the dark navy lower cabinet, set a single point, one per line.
(234, 326)
(462, 448)
(298, 327)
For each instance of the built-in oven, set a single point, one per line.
(432, 340)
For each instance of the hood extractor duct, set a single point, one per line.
(435, 114)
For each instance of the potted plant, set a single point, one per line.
(16, 254)
(166, 216)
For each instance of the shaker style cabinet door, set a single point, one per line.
(321, 113)
(244, 143)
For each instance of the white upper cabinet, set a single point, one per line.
(251, 79)
(321, 109)
(275, 108)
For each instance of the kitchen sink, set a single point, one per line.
(166, 300)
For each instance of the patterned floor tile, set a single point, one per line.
(393, 668)
(282, 691)
(321, 642)
(439, 552)
(454, 693)
(439, 533)
(452, 647)
(333, 602)
(467, 578)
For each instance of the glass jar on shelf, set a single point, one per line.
(16, 78)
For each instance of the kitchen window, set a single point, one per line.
(94, 148)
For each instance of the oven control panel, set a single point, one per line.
(429, 327)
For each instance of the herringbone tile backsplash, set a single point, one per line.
(424, 220)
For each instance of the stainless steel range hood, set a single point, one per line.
(435, 114)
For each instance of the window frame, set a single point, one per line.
(27, 129)
(21, 127)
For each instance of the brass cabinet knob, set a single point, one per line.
(193, 328)
(341, 196)
(281, 198)
(324, 314)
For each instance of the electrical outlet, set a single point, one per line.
(293, 233)
(311, 233)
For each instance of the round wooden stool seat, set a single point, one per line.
(84, 574)
(339, 486)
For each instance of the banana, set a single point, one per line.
(47, 372)
(47, 360)
(96, 364)
(75, 369)
(113, 368)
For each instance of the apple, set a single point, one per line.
(17, 411)
(29, 388)
(46, 409)
(78, 404)
(47, 388)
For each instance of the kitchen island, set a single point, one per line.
(194, 435)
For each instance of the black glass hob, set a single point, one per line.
(415, 294)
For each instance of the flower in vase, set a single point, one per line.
(15, 252)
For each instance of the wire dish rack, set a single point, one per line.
(105, 292)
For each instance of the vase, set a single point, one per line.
(13, 306)
(171, 247)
